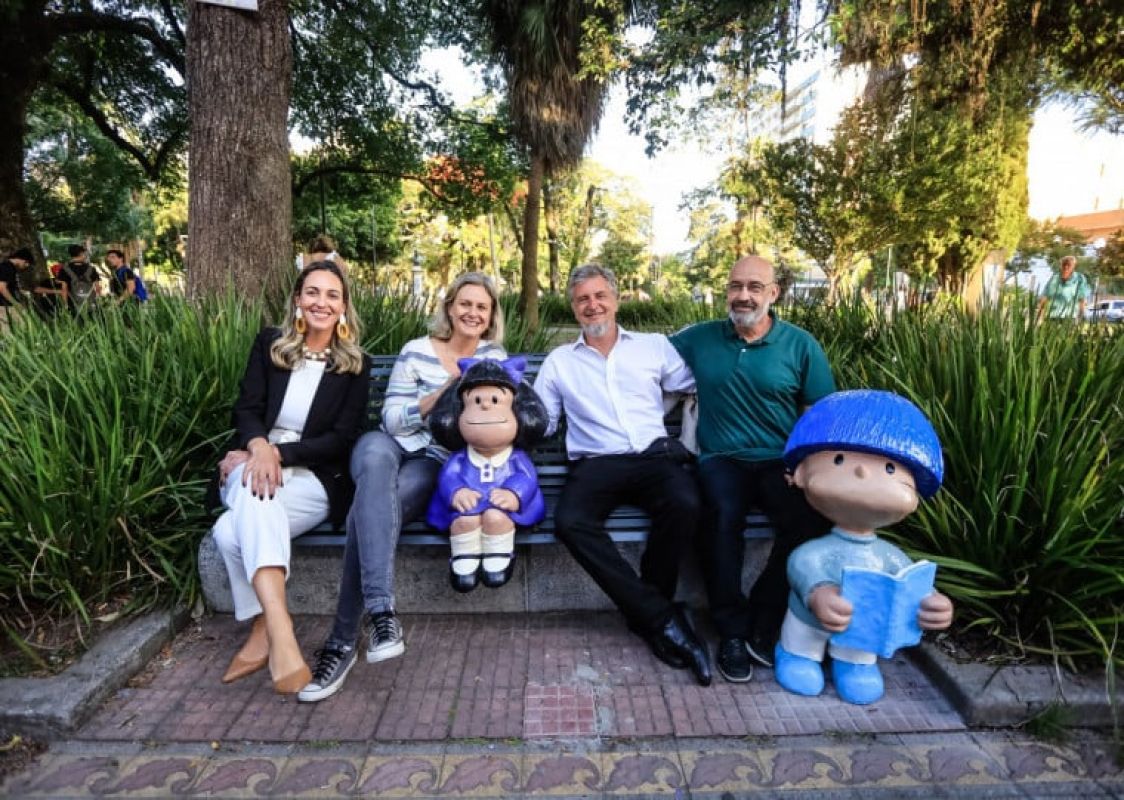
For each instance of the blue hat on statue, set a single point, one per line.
(871, 421)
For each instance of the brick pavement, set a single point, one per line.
(554, 705)
(493, 677)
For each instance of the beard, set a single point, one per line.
(748, 317)
(595, 330)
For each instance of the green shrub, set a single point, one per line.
(109, 429)
(1029, 528)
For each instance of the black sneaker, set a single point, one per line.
(384, 638)
(332, 666)
(761, 648)
(733, 660)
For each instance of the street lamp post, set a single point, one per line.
(416, 273)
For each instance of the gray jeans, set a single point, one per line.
(392, 487)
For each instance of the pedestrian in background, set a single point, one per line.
(1066, 293)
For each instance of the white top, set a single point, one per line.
(418, 372)
(303, 383)
(613, 405)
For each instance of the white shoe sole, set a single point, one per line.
(315, 696)
(387, 652)
(734, 679)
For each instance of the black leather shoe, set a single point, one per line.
(462, 583)
(494, 580)
(665, 652)
(660, 648)
(678, 636)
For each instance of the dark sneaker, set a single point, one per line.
(332, 666)
(384, 637)
(760, 648)
(733, 660)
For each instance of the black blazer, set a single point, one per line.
(335, 420)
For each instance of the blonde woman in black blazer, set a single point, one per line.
(301, 407)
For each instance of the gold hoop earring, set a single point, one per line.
(343, 330)
(299, 325)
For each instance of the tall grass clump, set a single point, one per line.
(1029, 528)
(390, 318)
(518, 336)
(109, 429)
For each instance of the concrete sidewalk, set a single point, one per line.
(553, 705)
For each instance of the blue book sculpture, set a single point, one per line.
(886, 607)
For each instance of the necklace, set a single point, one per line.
(317, 355)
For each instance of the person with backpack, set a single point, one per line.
(125, 284)
(79, 279)
(11, 293)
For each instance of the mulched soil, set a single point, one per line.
(17, 753)
(51, 642)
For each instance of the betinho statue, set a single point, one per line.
(863, 459)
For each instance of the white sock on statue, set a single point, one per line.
(500, 548)
(466, 544)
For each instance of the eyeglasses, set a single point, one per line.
(755, 288)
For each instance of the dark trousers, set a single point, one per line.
(730, 489)
(667, 492)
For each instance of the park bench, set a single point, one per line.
(626, 524)
(547, 578)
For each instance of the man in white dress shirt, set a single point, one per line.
(609, 384)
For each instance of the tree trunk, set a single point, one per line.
(581, 241)
(239, 74)
(529, 296)
(550, 211)
(23, 39)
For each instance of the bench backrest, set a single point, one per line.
(549, 454)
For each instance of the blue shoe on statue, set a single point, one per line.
(798, 674)
(857, 683)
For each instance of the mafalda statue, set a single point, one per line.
(863, 458)
(489, 485)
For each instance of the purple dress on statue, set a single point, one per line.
(516, 474)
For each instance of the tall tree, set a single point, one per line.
(118, 62)
(239, 185)
(551, 51)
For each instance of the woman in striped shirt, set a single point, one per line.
(395, 470)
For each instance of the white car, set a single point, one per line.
(1106, 311)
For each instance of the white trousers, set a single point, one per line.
(254, 533)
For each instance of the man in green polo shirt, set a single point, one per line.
(1066, 293)
(755, 375)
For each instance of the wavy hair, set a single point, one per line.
(288, 348)
(441, 326)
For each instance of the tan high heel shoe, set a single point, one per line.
(241, 666)
(294, 681)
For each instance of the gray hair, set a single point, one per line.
(1069, 260)
(587, 271)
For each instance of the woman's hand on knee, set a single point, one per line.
(263, 469)
(232, 460)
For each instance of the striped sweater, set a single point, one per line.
(418, 372)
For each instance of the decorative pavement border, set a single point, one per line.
(994, 764)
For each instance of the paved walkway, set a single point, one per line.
(538, 705)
